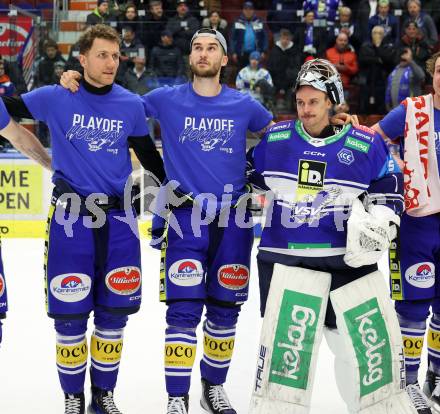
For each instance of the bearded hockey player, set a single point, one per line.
(337, 197)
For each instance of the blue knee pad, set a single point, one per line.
(184, 313)
(71, 327)
(109, 320)
(221, 315)
(413, 310)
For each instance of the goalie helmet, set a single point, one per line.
(322, 75)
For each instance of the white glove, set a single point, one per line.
(369, 233)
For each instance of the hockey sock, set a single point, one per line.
(105, 349)
(434, 343)
(180, 353)
(218, 346)
(72, 362)
(413, 333)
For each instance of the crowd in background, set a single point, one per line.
(379, 46)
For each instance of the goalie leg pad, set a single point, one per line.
(290, 339)
(369, 330)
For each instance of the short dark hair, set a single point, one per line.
(50, 43)
(430, 63)
(99, 31)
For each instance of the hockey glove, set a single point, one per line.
(369, 234)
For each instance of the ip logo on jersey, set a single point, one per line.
(71, 287)
(124, 280)
(2, 285)
(186, 272)
(311, 173)
(345, 156)
(234, 277)
(421, 275)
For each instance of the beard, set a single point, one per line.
(210, 72)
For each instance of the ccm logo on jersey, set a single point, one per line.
(124, 280)
(315, 153)
(421, 275)
(233, 276)
(186, 272)
(71, 287)
(2, 285)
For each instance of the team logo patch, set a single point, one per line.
(2, 285)
(277, 127)
(421, 275)
(360, 134)
(186, 272)
(124, 280)
(71, 287)
(345, 156)
(357, 144)
(279, 136)
(234, 276)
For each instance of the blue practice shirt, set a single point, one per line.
(394, 126)
(89, 135)
(204, 138)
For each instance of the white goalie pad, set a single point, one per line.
(370, 334)
(290, 339)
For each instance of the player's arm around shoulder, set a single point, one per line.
(22, 139)
(70, 80)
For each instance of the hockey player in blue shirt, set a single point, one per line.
(337, 197)
(29, 145)
(92, 253)
(204, 125)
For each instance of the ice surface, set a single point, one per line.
(28, 376)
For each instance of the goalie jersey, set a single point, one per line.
(313, 182)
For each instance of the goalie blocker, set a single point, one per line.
(369, 364)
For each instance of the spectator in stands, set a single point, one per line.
(432, 8)
(376, 60)
(345, 25)
(283, 65)
(405, 80)
(73, 59)
(140, 79)
(256, 81)
(131, 18)
(154, 25)
(388, 21)
(362, 11)
(248, 35)
(100, 14)
(311, 40)
(415, 39)
(131, 47)
(283, 15)
(166, 61)
(214, 21)
(182, 26)
(45, 74)
(7, 88)
(423, 20)
(16, 76)
(325, 11)
(344, 58)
